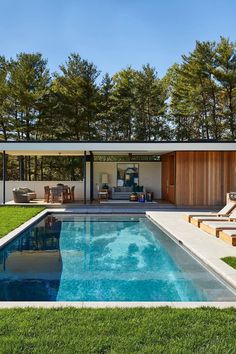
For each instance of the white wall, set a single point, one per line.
(38, 187)
(149, 175)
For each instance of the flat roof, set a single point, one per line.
(74, 148)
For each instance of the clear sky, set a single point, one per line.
(113, 33)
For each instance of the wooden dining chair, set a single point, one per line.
(57, 195)
(71, 194)
(46, 194)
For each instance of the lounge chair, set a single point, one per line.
(228, 236)
(197, 220)
(29, 192)
(223, 212)
(20, 196)
(214, 228)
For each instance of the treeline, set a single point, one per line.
(196, 99)
(71, 105)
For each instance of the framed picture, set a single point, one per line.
(127, 174)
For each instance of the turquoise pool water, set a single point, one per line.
(103, 258)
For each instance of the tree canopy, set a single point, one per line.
(196, 99)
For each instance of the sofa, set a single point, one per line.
(123, 193)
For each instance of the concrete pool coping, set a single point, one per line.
(209, 252)
(115, 304)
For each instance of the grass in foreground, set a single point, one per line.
(230, 261)
(13, 216)
(160, 330)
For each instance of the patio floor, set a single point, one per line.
(96, 206)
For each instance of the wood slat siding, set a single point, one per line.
(203, 178)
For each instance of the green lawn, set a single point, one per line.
(13, 216)
(230, 261)
(114, 331)
(160, 330)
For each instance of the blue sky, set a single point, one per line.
(113, 33)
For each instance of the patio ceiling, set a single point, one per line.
(77, 148)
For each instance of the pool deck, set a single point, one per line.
(207, 248)
(110, 206)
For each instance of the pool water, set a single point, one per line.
(103, 258)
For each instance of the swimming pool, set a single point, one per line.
(103, 258)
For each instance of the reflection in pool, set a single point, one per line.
(102, 258)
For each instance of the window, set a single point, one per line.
(127, 158)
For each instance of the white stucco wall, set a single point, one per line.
(38, 187)
(149, 175)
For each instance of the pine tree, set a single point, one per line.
(225, 74)
(29, 80)
(150, 106)
(106, 116)
(77, 96)
(6, 123)
(123, 98)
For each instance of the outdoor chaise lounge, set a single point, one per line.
(214, 228)
(228, 236)
(197, 220)
(222, 227)
(225, 211)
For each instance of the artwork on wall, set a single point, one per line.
(127, 175)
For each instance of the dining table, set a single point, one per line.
(59, 194)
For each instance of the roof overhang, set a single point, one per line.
(78, 148)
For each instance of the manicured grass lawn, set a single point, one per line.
(160, 330)
(13, 216)
(230, 261)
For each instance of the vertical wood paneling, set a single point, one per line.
(204, 178)
(168, 189)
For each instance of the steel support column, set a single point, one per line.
(85, 180)
(4, 171)
(91, 176)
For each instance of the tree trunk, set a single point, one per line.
(21, 168)
(232, 119)
(41, 169)
(35, 168)
(29, 169)
(26, 168)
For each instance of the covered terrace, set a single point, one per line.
(178, 173)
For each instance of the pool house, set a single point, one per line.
(185, 174)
